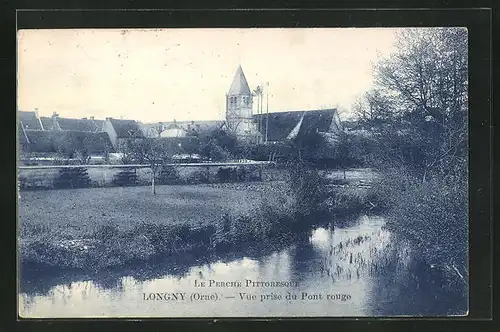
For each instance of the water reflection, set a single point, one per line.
(343, 264)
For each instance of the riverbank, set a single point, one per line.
(308, 262)
(100, 228)
(382, 277)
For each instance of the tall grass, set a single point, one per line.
(112, 246)
(432, 216)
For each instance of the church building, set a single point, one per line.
(272, 127)
(239, 110)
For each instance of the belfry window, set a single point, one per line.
(232, 101)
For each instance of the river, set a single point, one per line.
(350, 271)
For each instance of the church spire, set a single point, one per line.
(240, 84)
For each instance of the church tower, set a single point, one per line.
(239, 100)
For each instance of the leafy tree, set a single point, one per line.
(71, 145)
(218, 145)
(308, 146)
(374, 108)
(343, 151)
(418, 109)
(423, 89)
(427, 81)
(151, 151)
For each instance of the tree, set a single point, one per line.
(158, 129)
(342, 151)
(426, 80)
(424, 86)
(71, 145)
(233, 122)
(151, 151)
(218, 145)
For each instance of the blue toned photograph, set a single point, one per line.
(292, 172)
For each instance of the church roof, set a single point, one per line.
(240, 84)
(285, 125)
(279, 124)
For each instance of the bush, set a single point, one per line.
(431, 215)
(126, 177)
(232, 174)
(23, 182)
(225, 174)
(72, 178)
(169, 175)
(145, 242)
(309, 191)
(198, 177)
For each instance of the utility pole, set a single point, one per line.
(267, 108)
(259, 92)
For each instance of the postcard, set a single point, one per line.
(253, 172)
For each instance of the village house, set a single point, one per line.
(29, 120)
(180, 128)
(121, 131)
(263, 127)
(45, 134)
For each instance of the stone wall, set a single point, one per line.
(31, 178)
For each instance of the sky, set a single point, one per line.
(154, 75)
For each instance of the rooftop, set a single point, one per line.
(239, 84)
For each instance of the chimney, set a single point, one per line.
(92, 118)
(38, 118)
(55, 124)
(109, 118)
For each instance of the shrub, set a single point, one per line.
(198, 177)
(432, 216)
(72, 178)
(232, 174)
(309, 191)
(224, 174)
(146, 241)
(241, 173)
(169, 175)
(23, 182)
(125, 177)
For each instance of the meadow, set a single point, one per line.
(95, 228)
(79, 212)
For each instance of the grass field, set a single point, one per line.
(98, 228)
(78, 212)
